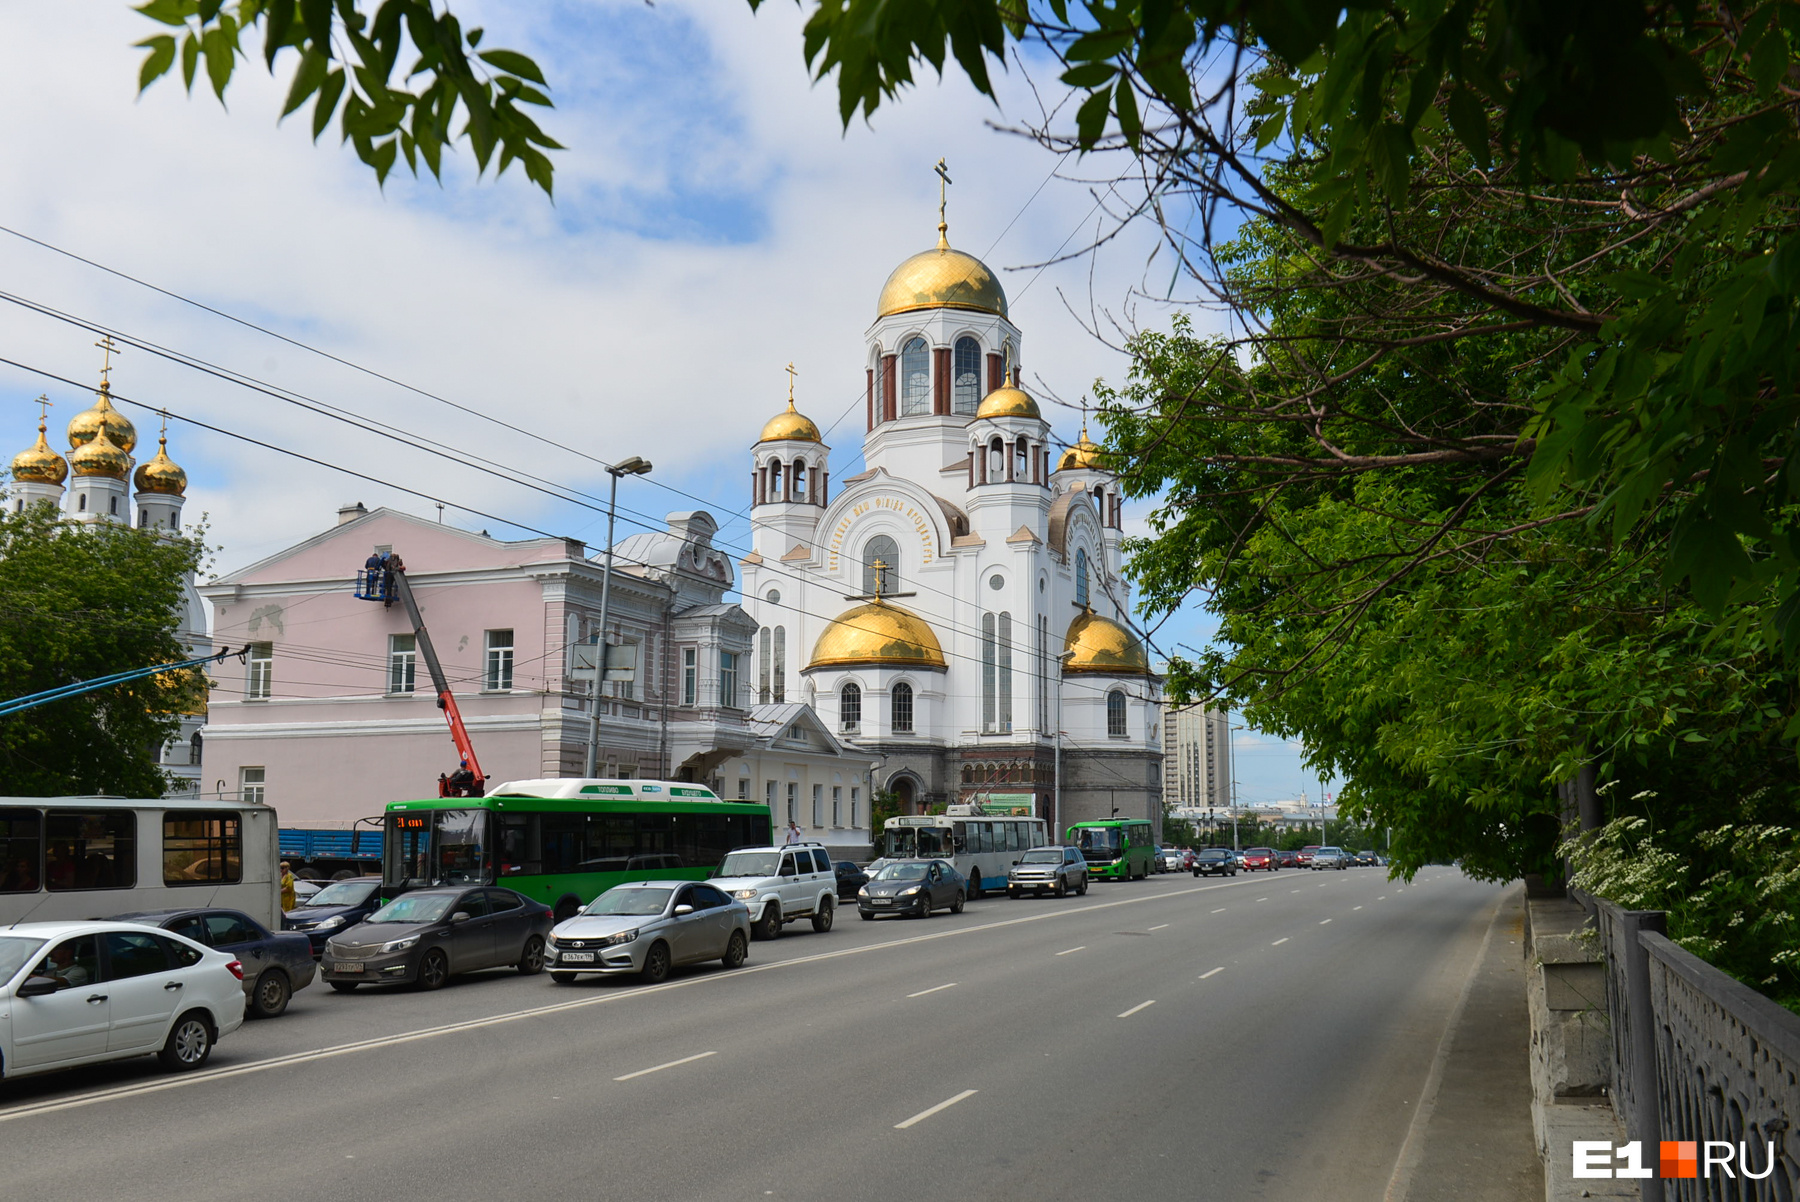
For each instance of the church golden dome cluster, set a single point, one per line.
(101, 441)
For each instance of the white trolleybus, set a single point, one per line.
(65, 858)
(983, 840)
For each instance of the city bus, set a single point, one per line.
(1116, 849)
(565, 842)
(64, 858)
(983, 846)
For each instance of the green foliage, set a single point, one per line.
(82, 602)
(345, 60)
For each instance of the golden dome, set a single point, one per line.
(941, 278)
(1009, 400)
(100, 457)
(791, 426)
(40, 465)
(878, 633)
(88, 422)
(1103, 646)
(1085, 454)
(161, 474)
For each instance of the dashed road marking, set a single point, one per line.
(1160, 926)
(1280, 941)
(944, 1105)
(1211, 972)
(1073, 950)
(645, 1072)
(1139, 1006)
(933, 989)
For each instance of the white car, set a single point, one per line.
(81, 992)
(779, 885)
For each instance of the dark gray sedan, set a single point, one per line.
(425, 936)
(276, 963)
(915, 887)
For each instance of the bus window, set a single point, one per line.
(460, 846)
(407, 854)
(95, 850)
(202, 848)
(518, 846)
(933, 841)
(21, 850)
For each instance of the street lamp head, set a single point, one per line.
(634, 466)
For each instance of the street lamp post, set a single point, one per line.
(634, 466)
(1056, 768)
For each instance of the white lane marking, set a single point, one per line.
(1160, 927)
(109, 1094)
(645, 1072)
(1293, 890)
(1356, 907)
(933, 989)
(1323, 921)
(944, 1105)
(1073, 950)
(1220, 910)
(1211, 972)
(1383, 897)
(1266, 899)
(1139, 1006)
(1280, 941)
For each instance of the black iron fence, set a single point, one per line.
(1698, 1059)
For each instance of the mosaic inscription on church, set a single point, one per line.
(919, 522)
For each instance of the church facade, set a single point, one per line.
(955, 605)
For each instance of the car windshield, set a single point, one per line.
(15, 950)
(414, 907)
(1259, 851)
(1214, 853)
(634, 902)
(343, 893)
(902, 872)
(1043, 855)
(750, 863)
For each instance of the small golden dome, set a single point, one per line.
(1085, 454)
(1104, 647)
(941, 278)
(1009, 400)
(791, 426)
(878, 633)
(40, 465)
(161, 474)
(100, 457)
(87, 423)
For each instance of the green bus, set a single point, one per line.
(1116, 849)
(565, 842)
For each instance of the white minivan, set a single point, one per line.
(81, 992)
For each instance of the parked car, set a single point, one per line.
(1330, 857)
(648, 928)
(81, 992)
(850, 878)
(1260, 859)
(337, 907)
(780, 885)
(1215, 861)
(304, 889)
(425, 936)
(915, 887)
(1058, 870)
(276, 963)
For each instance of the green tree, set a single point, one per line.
(82, 602)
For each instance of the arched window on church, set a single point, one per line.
(915, 378)
(902, 699)
(850, 709)
(762, 674)
(996, 461)
(968, 376)
(1081, 579)
(1115, 714)
(887, 551)
(1021, 460)
(802, 479)
(780, 687)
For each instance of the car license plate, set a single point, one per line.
(578, 957)
(341, 966)
(880, 901)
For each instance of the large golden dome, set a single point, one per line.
(1009, 400)
(87, 423)
(1104, 647)
(99, 456)
(878, 633)
(791, 426)
(40, 465)
(161, 474)
(941, 278)
(1085, 454)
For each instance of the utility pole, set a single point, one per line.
(633, 466)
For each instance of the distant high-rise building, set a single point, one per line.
(1196, 757)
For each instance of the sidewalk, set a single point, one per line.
(1472, 1140)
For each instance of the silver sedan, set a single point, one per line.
(647, 928)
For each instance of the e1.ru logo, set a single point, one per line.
(1676, 1158)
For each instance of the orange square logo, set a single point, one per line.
(1680, 1158)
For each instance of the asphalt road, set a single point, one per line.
(1263, 1037)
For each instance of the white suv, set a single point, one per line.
(780, 885)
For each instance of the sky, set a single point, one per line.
(713, 222)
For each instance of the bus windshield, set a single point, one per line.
(923, 842)
(437, 847)
(1098, 842)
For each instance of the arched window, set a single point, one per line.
(194, 749)
(996, 673)
(915, 378)
(996, 461)
(887, 551)
(780, 688)
(1081, 579)
(801, 479)
(850, 709)
(762, 672)
(968, 376)
(1115, 714)
(1021, 460)
(902, 698)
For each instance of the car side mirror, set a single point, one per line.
(684, 908)
(460, 916)
(37, 987)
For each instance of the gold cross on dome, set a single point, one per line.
(43, 403)
(110, 348)
(791, 374)
(943, 174)
(881, 568)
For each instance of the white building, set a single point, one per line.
(1196, 758)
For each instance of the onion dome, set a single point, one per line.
(86, 424)
(40, 465)
(791, 426)
(941, 278)
(99, 456)
(1085, 454)
(1009, 400)
(161, 474)
(1103, 647)
(878, 633)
